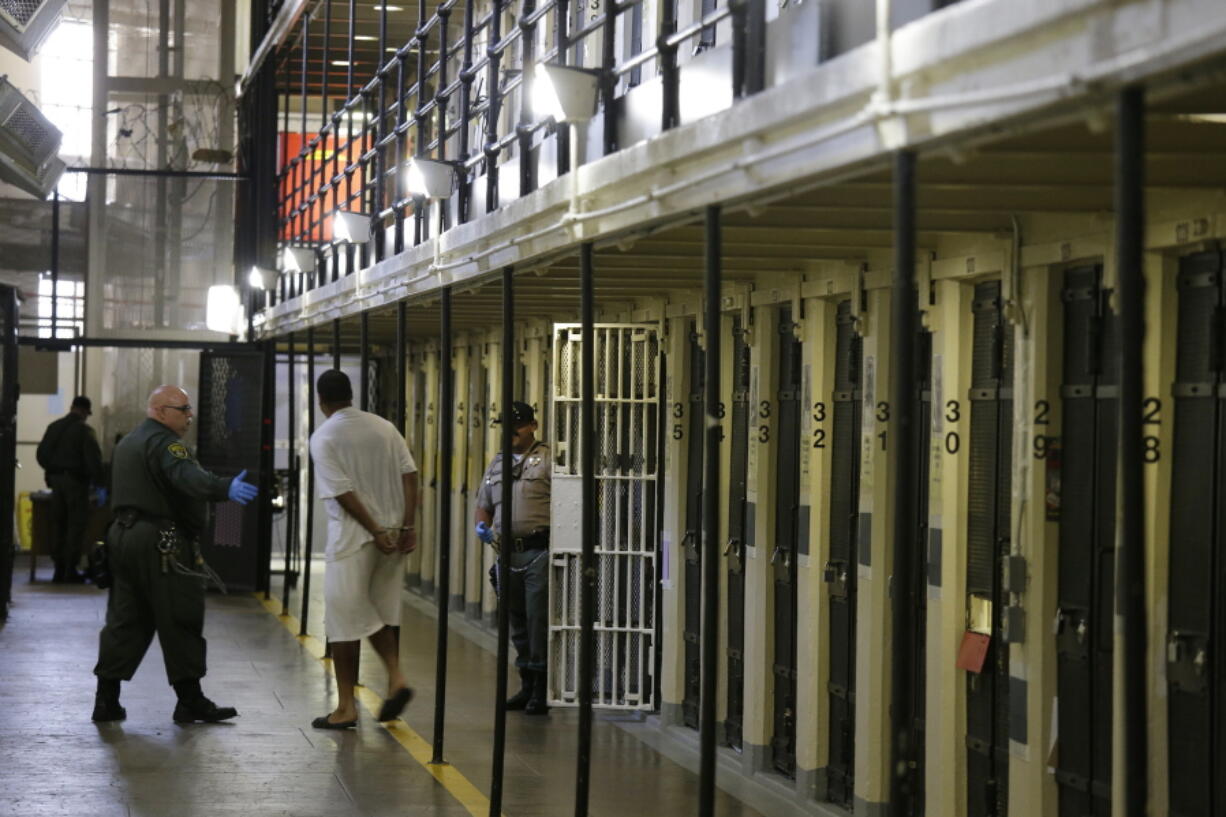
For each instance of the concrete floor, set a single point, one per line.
(55, 761)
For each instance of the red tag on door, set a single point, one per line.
(973, 651)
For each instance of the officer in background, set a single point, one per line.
(159, 576)
(527, 549)
(71, 461)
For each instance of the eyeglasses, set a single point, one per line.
(185, 408)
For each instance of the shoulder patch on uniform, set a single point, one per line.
(179, 450)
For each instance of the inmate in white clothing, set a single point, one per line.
(361, 452)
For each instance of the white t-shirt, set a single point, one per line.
(361, 452)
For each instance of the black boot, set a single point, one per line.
(537, 703)
(106, 702)
(193, 706)
(520, 699)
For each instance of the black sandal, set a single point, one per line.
(394, 705)
(322, 722)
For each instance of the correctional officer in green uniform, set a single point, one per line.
(527, 550)
(71, 461)
(159, 499)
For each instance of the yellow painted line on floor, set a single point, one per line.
(421, 750)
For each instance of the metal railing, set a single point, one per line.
(472, 106)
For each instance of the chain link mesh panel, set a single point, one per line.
(229, 421)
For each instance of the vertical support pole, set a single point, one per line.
(1130, 587)
(587, 563)
(55, 263)
(422, 143)
(493, 108)
(402, 342)
(267, 435)
(364, 357)
(440, 106)
(527, 159)
(903, 308)
(336, 344)
(709, 531)
(504, 571)
(561, 22)
(608, 79)
(466, 94)
(670, 114)
(291, 487)
(310, 498)
(446, 421)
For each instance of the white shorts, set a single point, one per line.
(362, 593)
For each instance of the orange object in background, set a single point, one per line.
(314, 225)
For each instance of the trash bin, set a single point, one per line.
(43, 526)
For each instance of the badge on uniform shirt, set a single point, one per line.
(179, 450)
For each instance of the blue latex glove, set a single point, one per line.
(242, 492)
(485, 533)
(102, 495)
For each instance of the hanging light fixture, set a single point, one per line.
(350, 228)
(566, 93)
(430, 178)
(223, 311)
(298, 259)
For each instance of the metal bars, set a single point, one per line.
(310, 513)
(711, 515)
(446, 410)
(903, 309)
(509, 356)
(361, 169)
(587, 559)
(1130, 228)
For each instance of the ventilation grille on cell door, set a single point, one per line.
(24, 24)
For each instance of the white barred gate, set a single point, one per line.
(627, 427)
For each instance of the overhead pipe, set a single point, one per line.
(708, 534)
(1130, 576)
(904, 307)
(504, 568)
(446, 422)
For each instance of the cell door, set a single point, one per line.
(739, 526)
(229, 418)
(1086, 584)
(840, 571)
(784, 557)
(923, 415)
(1196, 682)
(627, 447)
(987, 698)
(695, 442)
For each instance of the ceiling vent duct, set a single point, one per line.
(24, 24)
(28, 144)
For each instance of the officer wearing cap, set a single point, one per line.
(159, 576)
(71, 461)
(526, 547)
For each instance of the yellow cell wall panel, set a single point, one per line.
(1038, 352)
(759, 573)
(877, 441)
(813, 602)
(672, 608)
(945, 735)
(1161, 325)
(427, 540)
(461, 355)
(474, 466)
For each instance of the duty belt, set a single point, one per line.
(537, 540)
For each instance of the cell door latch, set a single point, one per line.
(1187, 659)
(835, 575)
